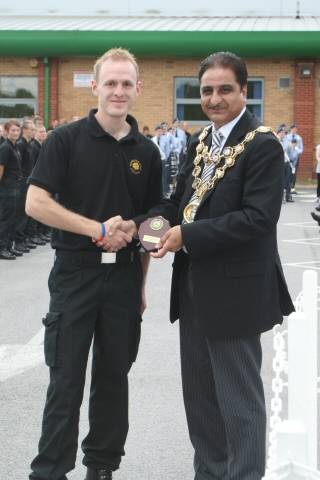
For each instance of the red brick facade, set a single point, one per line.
(304, 115)
(54, 100)
(298, 103)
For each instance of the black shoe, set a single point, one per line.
(29, 244)
(7, 255)
(44, 237)
(16, 253)
(315, 217)
(102, 474)
(317, 208)
(37, 241)
(289, 200)
(20, 247)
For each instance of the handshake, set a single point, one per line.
(116, 233)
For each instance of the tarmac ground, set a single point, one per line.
(158, 446)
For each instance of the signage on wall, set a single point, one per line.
(82, 80)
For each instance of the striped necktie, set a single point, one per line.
(208, 169)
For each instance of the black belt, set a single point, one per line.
(99, 257)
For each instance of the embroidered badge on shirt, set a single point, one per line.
(135, 166)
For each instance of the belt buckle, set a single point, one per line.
(108, 257)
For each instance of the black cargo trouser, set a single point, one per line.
(99, 302)
(9, 200)
(22, 217)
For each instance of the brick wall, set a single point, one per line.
(156, 102)
(74, 101)
(304, 117)
(316, 139)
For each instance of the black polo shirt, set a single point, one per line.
(11, 159)
(26, 161)
(91, 173)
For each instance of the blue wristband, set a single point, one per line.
(103, 230)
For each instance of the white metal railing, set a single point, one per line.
(292, 452)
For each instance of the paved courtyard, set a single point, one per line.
(158, 446)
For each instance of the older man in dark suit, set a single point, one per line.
(228, 285)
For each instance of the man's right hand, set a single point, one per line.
(119, 233)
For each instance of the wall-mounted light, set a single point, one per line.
(305, 70)
(33, 62)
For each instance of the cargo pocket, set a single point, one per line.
(51, 335)
(136, 339)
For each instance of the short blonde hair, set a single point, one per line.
(115, 54)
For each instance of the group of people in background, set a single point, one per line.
(292, 145)
(172, 143)
(20, 144)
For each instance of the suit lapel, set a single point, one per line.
(246, 123)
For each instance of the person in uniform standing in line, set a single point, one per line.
(10, 188)
(88, 172)
(24, 145)
(36, 231)
(228, 285)
(296, 142)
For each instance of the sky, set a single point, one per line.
(163, 7)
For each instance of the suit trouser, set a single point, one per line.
(287, 179)
(98, 302)
(294, 175)
(224, 399)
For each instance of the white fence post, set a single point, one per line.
(293, 442)
(302, 367)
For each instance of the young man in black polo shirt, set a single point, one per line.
(21, 240)
(10, 187)
(88, 172)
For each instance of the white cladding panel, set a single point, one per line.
(164, 8)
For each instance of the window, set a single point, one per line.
(255, 97)
(18, 97)
(187, 99)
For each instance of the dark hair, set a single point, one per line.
(10, 123)
(226, 60)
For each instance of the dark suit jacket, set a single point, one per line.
(238, 283)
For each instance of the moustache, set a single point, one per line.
(215, 107)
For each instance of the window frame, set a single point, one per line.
(33, 102)
(196, 101)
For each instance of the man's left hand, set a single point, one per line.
(170, 242)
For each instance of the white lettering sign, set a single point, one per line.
(82, 80)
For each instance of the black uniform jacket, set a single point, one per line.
(238, 284)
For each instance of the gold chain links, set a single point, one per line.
(229, 155)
